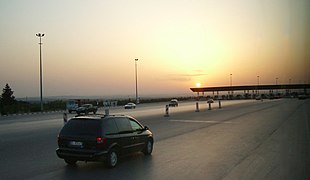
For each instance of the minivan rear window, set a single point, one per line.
(85, 127)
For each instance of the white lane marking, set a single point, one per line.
(197, 121)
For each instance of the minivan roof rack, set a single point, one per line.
(98, 115)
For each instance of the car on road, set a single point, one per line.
(86, 108)
(303, 96)
(258, 97)
(174, 103)
(130, 106)
(102, 138)
(210, 101)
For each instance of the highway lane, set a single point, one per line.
(245, 140)
(28, 122)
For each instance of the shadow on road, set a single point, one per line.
(132, 166)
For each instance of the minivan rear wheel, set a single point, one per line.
(112, 158)
(70, 161)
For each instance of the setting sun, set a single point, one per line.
(198, 84)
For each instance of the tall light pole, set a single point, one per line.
(136, 60)
(231, 83)
(41, 98)
(289, 81)
(257, 84)
(277, 85)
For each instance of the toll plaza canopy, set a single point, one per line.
(252, 87)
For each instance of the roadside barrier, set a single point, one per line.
(30, 113)
(107, 112)
(197, 107)
(167, 111)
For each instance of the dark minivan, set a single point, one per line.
(102, 138)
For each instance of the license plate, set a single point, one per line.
(76, 143)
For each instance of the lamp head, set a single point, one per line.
(39, 35)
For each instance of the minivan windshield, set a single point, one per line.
(85, 127)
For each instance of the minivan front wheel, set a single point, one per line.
(148, 149)
(112, 158)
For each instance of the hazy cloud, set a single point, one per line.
(192, 75)
(184, 77)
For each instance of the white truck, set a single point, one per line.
(72, 106)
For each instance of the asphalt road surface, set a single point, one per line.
(267, 139)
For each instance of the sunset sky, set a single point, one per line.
(90, 47)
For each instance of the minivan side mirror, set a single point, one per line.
(146, 128)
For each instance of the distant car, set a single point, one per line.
(130, 106)
(102, 138)
(174, 103)
(258, 97)
(301, 97)
(210, 101)
(86, 108)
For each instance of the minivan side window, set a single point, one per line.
(134, 125)
(109, 127)
(123, 125)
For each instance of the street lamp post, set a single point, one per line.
(277, 85)
(289, 90)
(136, 60)
(258, 85)
(231, 84)
(41, 98)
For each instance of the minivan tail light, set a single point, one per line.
(101, 140)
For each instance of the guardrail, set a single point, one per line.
(31, 113)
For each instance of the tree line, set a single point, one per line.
(9, 105)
